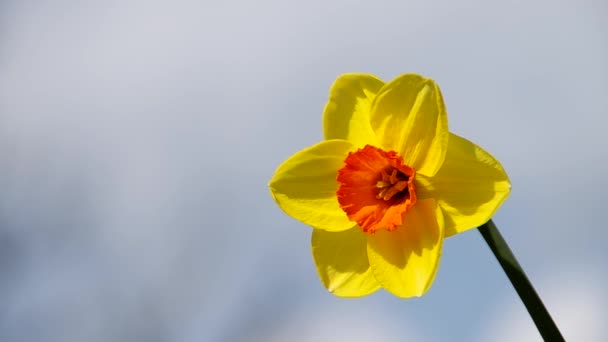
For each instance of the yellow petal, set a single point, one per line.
(305, 185)
(405, 261)
(341, 259)
(409, 117)
(469, 187)
(346, 114)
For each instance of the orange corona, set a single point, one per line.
(376, 189)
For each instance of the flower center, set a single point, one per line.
(376, 189)
(394, 184)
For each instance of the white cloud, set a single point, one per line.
(576, 299)
(325, 323)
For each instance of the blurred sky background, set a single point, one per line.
(137, 139)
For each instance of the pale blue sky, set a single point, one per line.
(137, 139)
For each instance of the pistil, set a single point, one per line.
(391, 185)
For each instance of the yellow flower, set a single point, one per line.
(386, 186)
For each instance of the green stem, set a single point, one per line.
(545, 325)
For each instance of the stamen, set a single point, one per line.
(392, 184)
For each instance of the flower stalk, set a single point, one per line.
(541, 317)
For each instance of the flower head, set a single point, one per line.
(386, 186)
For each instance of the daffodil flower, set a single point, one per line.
(386, 186)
